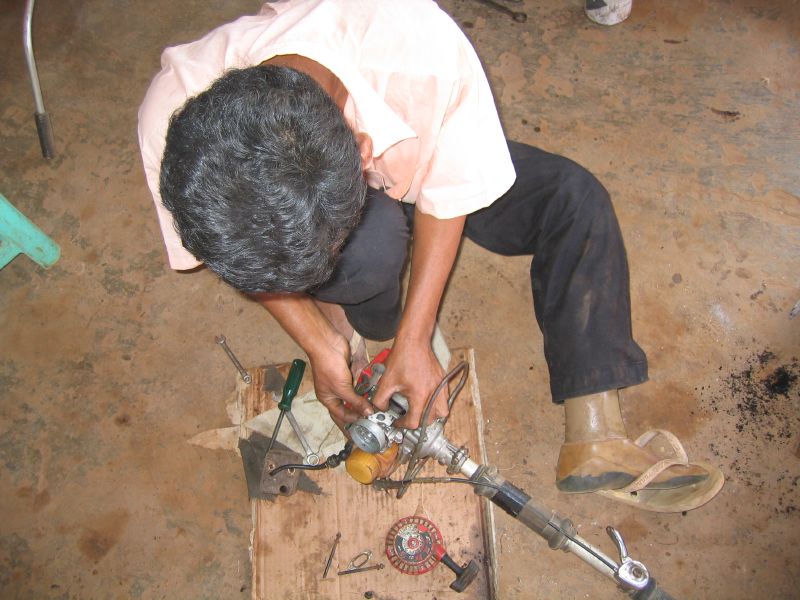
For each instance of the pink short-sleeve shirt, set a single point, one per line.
(415, 86)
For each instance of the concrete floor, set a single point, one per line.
(687, 112)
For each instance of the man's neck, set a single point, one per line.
(325, 78)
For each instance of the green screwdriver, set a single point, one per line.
(289, 392)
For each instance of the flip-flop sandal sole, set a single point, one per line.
(672, 500)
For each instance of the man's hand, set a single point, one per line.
(411, 368)
(333, 383)
(414, 372)
(327, 350)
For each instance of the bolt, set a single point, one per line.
(362, 569)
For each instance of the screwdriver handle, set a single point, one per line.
(292, 384)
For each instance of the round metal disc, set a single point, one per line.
(410, 543)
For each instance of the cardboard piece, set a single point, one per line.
(292, 537)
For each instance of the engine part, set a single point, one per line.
(331, 462)
(414, 546)
(366, 468)
(284, 482)
(375, 433)
(428, 441)
(409, 545)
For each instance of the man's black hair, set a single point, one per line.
(263, 179)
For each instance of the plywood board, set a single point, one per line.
(292, 536)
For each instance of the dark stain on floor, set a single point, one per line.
(103, 534)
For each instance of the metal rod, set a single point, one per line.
(275, 434)
(361, 569)
(27, 40)
(330, 556)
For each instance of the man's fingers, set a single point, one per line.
(359, 404)
(413, 418)
(382, 395)
(346, 413)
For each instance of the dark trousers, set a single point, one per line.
(558, 213)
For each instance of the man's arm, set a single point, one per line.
(327, 350)
(412, 368)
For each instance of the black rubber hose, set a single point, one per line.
(331, 462)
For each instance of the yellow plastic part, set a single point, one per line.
(366, 468)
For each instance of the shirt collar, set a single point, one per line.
(365, 110)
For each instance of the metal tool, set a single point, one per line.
(376, 567)
(244, 374)
(519, 17)
(330, 556)
(289, 392)
(312, 458)
(414, 546)
(358, 563)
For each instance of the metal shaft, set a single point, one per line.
(312, 458)
(224, 343)
(330, 556)
(275, 433)
(361, 569)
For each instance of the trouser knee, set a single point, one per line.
(374, 254)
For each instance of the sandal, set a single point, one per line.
(641, 494)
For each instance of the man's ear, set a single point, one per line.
(365, 147)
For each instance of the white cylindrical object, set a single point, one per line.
(608, 12)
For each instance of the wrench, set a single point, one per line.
(312, 458)
(245, 375)
(519, 17)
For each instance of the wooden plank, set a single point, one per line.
(293, 535)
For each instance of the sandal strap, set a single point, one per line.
(647, 437)
(680, 458)
(650, 474)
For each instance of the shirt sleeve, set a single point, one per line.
(471, 166)
(163, 96)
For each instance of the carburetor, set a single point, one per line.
(376, 434)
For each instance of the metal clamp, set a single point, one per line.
(630, 573)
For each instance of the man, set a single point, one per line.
(309, 142)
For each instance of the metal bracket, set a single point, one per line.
(630, 573)
(283, 483)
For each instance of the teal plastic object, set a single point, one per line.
(19, 236)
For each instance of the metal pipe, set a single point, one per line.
(43, 126)
(27, 40)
